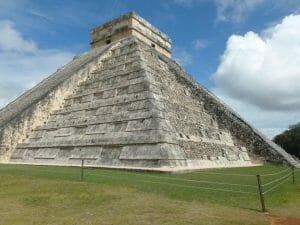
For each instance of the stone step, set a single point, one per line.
(114, 138)
(116, 86)
(118, 100)
(122, 116)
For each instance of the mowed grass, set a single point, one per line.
(55, 195)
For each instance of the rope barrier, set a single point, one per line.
(186, 186)
(227, 174)
(274, 181)
(191, 180)
(276, 173)
(206, 188)
(243, 175)
(297, 170)
(202, 181)
(282, 180)
(275, 186)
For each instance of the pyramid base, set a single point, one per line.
(165, 165)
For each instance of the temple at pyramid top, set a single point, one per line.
(131, 24)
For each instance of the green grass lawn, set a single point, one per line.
(55, 195)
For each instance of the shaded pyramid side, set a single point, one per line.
(111, 119)
(204, 141)
(208, 131)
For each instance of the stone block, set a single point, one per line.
(46, 153)
(111, 152)
(86, 153)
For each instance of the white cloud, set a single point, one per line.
(235, 10)
(10, 39)
(264, 69)
(22, 63)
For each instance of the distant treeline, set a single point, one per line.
(289, 140)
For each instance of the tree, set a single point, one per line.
(290, 140)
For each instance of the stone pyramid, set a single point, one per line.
(127, 104)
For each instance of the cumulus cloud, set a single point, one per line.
(235, 10)
(22, 63)
(264, 69)
(10, 39)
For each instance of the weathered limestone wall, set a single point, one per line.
(242, 134)
(197, 130)
(34, 107)
(131, 25)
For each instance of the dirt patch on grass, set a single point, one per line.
(275, 220)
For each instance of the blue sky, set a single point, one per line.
(239, 49)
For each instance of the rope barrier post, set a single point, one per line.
(261, 195)
(293, 174)
(82, 163)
